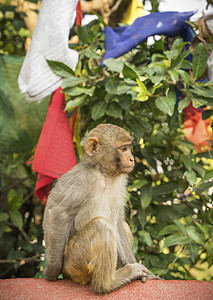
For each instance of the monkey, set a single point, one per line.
(85, 233)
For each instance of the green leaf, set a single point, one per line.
(203, 91)
(185, 77)
(129, 72)
(114, 110)
(206, 114)
(181, 227)
(76, 91)
(188, 162)
(135, 245)
(141, 97)
(157, 56)
(76, 102)
(208, 176)
(114, 65)
(139, 183)
(3, 217)
(91, 54)
(60, 68)
(183, 103)
(141, 217)
(116, 87)
(146, 238)
(2, 228)
(165, 188)
(173, 75)
(178, 44)
(168, 229)
(156, 79)
(122, 88)
(14, 200)
(176, 239)
(198, 102)
(146, 196)
(112, 86)
(143, 93)
(99, 110)
(177, 63)
(165, 104)
(193, 248)
(142, 87)
(199, 170)
(158, 272)
(191, 177)
(176, 49)
(203, 230)
(72, 81)
(16, 219)
(155, 87)
(203, 186)
(210, 260)
(199, 61)
(83, 35)
(192, 233)
(172, 95)
(137, 127)
(210, 248)
(125, 101)
(14, 254)
(7, 229)
(171, 54)
(23, 32)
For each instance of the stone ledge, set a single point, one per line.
(64, 289)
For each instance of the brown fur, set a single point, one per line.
(85, 235)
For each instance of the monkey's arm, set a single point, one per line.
(129, 257)
(125, 254)
(56, 235)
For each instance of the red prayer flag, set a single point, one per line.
(79, 13)
(55, 153)
(196, 129)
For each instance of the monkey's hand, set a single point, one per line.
(52, 272)
(149, 275)
(140, 271)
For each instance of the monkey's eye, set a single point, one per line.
(124, 148)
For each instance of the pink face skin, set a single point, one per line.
(126, 158)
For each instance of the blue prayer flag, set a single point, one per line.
(121, 40)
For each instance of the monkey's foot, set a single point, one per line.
(151, 276)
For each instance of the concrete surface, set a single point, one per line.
(64, 289)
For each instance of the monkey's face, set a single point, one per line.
(126, 159)
(109, 148)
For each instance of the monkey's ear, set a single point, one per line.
(92, 146)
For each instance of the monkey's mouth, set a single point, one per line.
(127, 168)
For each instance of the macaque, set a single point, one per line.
(86, 236)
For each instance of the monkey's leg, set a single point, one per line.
(91, 256)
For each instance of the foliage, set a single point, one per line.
(13, 30)
(20, 220)
(146, 92)
(154, 4)
(21, 213)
